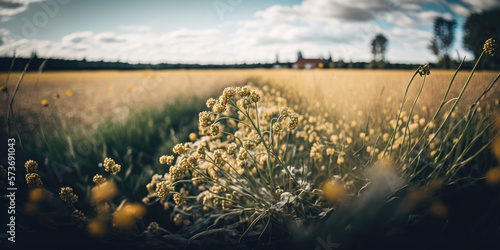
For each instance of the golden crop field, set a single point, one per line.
(96, 94)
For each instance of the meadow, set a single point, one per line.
(274, 158)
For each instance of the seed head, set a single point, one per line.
(211, 102)
(223, 100)
(34, 180)
(293, 121)
(218, 156)
(219, 108)
(248, 145)
(229, 92)
(67, 195)
(179, 149)
(31, 166)
(153, 227)
(279, 191)
(177, 199)
(79, 217)
(284, 111)
(255, 96)
(98, 179)
(200, 152)
(242, 155)
(231, 149)
(108, 163)
(163, 189)
(276, 127)
(204, 119)
(115, 169)
(424, 70)
(490, 46)
(214, 129)
(244, 91)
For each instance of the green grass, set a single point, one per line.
(71, 156)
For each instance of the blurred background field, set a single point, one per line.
(84, 98)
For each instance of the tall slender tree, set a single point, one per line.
(444, 34)
(379, 46)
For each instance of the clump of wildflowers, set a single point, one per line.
(231, 149)
(163, 189)
(180, 149)
(153, 227)
(424, 70)
(167, 159)
(34, 180)
(255, 96)
(79, 217)
(214, 129)
(211, 102)
(31, 166)
(204, 119)
(67, 195)
(98, 179)
(109, 164)
(294, 121)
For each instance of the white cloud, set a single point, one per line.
(459, 9)
(426, 18)
(326, 10)
(14, 7)
(481, 5)
(78, 37)
(176, 46)
(135, 28)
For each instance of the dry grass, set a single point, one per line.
(92, 98)
(364, 88)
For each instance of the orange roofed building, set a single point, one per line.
(303, 63)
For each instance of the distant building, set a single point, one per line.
(303, 63)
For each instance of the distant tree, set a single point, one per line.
(379, 45)
(478, 28)
(444, 34)
(34, 55)
(299, 55)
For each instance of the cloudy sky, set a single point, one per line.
(227, 31)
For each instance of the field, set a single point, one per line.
(343, 161)
(95, 94)
(99, 94)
